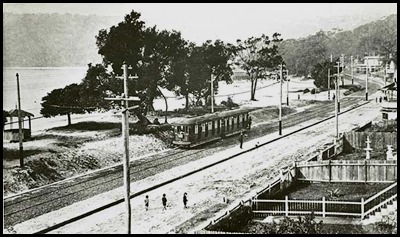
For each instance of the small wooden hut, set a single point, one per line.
(11, 129)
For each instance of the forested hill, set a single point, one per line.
(377, 37)
(52, 40)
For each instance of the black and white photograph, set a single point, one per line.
(199, 118)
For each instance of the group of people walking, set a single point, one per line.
(164, 201)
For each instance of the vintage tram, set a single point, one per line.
(191, 132)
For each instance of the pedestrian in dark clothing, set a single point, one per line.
(249, 122)
(380, 99)
(333, 97)
(164, 202)
(241, 140)
(146, 202)
(185, 200)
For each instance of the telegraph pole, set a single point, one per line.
(21, 148)
(280, 102)
(212, 94)
(329, 81)
(125, 135)
(336, 109)
(351, 63)
(337, 87)
(366, 82)
(342, 63)
(287, 89)
(384, 73)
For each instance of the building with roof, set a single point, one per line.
(11, 129)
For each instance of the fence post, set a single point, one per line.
(323, 206)
(362, 208)
(330, 170)
(286, 206)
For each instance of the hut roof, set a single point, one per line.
(14, 113)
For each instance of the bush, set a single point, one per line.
(306, 90)
(305, 225)
(229, 103)
(313, 91)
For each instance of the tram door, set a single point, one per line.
(200, 130)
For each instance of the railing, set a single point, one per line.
(263, 208)
(380, 199)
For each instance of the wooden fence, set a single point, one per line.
(379, 140)
(262, 208)
(217, 232)
(347, 171)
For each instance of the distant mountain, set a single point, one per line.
(304, 28)
(52, 40)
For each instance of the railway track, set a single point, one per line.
(30, 204)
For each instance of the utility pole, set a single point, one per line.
(366, 82)
(280, 102)
(336, 109)
(212, 94)
(125, 135)
(351, 63)
(342, 63)
(337, 87)
(287, 89)
(384, 73)
(21, 147)
(329, 81)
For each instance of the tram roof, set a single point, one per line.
(209, 117)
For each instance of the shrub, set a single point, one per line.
(313, 91)
(306, 90)
(305, 225)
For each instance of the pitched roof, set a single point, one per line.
(14, 113)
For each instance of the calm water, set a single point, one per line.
(35, 83)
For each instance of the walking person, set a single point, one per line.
(164, 202)
(241, 139)
(249, 122)
(146, 202)
(185, 200)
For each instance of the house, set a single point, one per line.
(374, 64)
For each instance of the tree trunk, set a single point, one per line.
(187, 102)
(69, 119)
(166, 104)
(255, 88)
(251, 90)
(142, 119)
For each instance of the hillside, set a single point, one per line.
(377, 37)
(51, 40)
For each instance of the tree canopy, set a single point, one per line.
(257, 56)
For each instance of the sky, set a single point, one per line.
(199, 22)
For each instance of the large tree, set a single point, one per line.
(320, 74)
(149, 51)
(218, 57)
(65, 101)
(257, 56)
